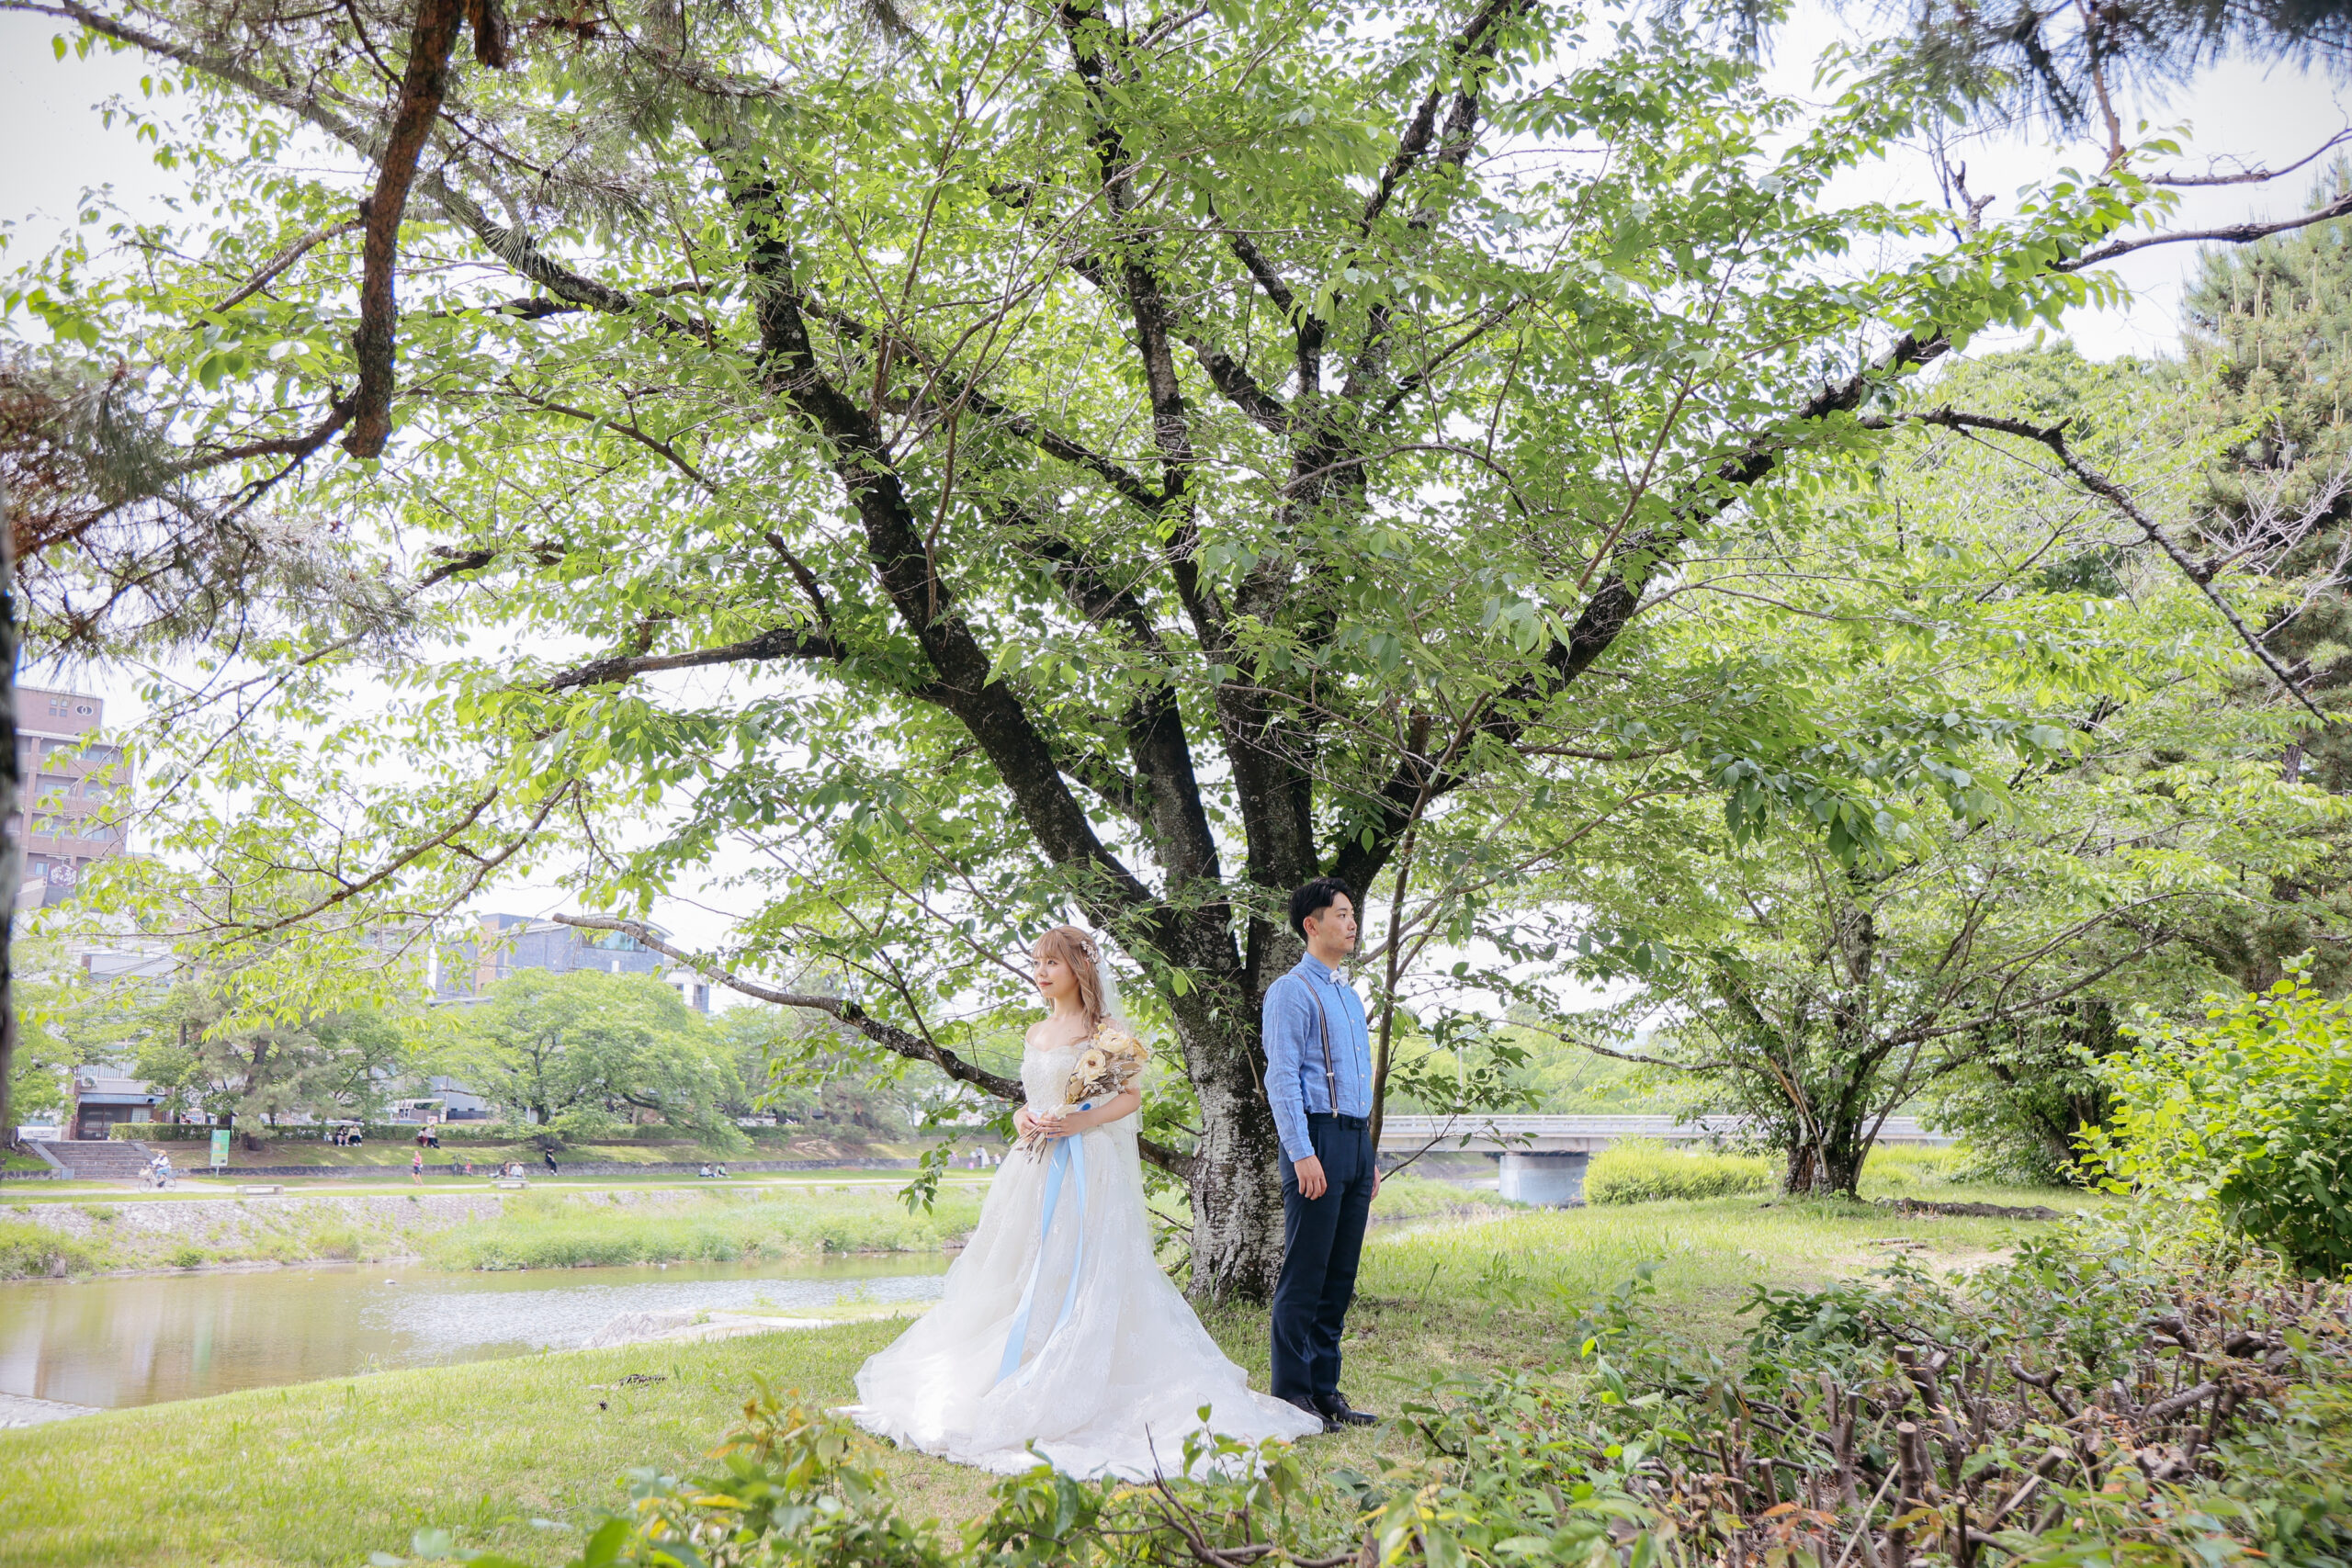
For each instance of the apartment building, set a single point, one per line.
(509, 942)
(70, 782)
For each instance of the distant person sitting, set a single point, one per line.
(704, 1171)
(722, 1173)
(549, 1156)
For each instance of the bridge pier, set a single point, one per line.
(1556, 1180)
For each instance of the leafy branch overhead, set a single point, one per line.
(1053, 462)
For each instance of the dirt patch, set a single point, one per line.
(1968, 1210)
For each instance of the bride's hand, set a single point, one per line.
(1022, 1122)
(1050, 1125)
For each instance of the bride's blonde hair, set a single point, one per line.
(1078, 950)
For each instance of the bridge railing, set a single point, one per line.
(1568, 1132)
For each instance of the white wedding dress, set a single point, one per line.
(1109, 1365)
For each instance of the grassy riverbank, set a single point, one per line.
(547, 1227)
(327, 1472)
(476, 1228)
(547, 1231)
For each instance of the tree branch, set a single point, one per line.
(2054, 437)
(2254, 177)
(779, 642)
(277, 264)
(2235, 234)
(423, 83)
(889, 1036)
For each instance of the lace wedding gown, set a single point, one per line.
(1109, 1365)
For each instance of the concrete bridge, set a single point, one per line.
(1544, 1157)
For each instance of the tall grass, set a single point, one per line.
(1643, 1170)
(32, 1252)
(1896, 1169)
(545, 1231)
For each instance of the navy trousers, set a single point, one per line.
(1322, 1242)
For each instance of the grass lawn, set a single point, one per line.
(326, 1472)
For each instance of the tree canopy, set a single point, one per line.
(1072, 460)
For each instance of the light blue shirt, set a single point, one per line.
(1295, 1085)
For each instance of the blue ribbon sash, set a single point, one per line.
(1067, 1159)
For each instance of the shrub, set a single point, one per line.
(186, 1258)
(1643, 1170)
(2252, 1115)
(33, 1252)
(800, 1488)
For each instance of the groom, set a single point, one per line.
(1319, 1080)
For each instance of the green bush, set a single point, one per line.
(33, 1252)
(1643, 1170)
(2250, 1113)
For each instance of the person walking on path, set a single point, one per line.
(416, 1167)
(1319, 1083)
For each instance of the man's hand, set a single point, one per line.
(1311, 1184)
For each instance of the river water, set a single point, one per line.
(142, 1340)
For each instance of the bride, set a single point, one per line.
(1056, 1326)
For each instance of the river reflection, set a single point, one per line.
(140, 1341)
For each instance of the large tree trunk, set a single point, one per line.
(1829, 1164)
(1236, 1185)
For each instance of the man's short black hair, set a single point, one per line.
(1314, 897)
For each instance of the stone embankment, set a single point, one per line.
(181, 1233)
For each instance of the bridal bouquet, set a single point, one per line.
(1111, 1064)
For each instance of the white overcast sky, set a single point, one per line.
(53, 148)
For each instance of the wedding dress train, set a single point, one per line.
(1058, 1328)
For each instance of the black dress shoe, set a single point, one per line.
(1338, 1412)
(1329, 1424)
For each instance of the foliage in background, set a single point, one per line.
(570, 1056)
(2251, 1112)
(2028, 1092)
(1814, 991)
(195, 1050)
(1057, 437)
(2268, 340)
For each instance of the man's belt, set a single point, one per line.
(1353, 1123)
